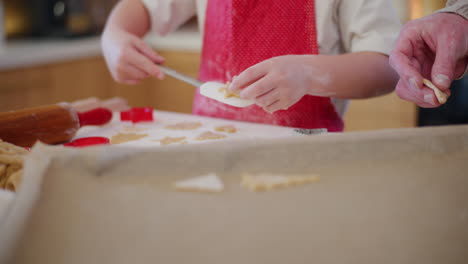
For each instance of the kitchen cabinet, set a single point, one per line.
(383, 112)
(78, 79)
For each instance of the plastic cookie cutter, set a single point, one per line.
(88, 141)
(137, 115)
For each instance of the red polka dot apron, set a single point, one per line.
(239, 34)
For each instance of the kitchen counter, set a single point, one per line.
(33, 52)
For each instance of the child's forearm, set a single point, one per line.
(280, 82)
(356, 75)
(128, 57)
(130, 16)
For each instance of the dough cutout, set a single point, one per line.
(441, 96)
(210, 183)
(210, 135)
(218, 91)
(227, 129)
(185, 126)
(266, 181)
(126, 137)
(172, 140)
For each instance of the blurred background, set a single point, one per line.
(50, 52)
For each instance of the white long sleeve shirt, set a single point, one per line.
(458, 7)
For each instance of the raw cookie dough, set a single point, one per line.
(172, 140)
(227, 129)
(227, 93)
(185, 126)
(265, 181)
(441, 96)
(210, 135)
(126, 137)
(133, 129)
(11, 165)
(207, 183)
(219, 92)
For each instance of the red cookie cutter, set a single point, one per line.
(88, 141)
(137, 114)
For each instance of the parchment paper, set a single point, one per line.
(396, 196)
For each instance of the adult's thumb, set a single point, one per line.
(443, 70)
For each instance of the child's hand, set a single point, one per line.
(280, 82)
(129, 58)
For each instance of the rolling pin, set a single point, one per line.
(51, 124)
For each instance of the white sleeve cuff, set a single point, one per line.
(368, 25)
(376, 43)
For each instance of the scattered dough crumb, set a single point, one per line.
(265, 182)
(210, 135)
(207, 183)
(227, 93)
(184, 126)
(227, 129)
(441, 96)
(126, 137)
(172, 140)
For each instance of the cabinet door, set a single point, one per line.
(383, 112)
(79, 79)
(24, 88)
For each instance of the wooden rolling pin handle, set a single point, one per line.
(51, 124)
(95, 117)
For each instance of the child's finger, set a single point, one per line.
(143, 48)
(141, 62)
(134, 73)
(258, 88)
(275, 106)
(268, 98)
(249, 76)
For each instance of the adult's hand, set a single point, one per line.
(434, 47)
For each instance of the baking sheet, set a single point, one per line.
(388, 197)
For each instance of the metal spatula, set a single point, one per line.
(180, 76)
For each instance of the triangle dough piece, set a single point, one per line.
(207, 183)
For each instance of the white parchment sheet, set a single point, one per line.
(398, 196)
